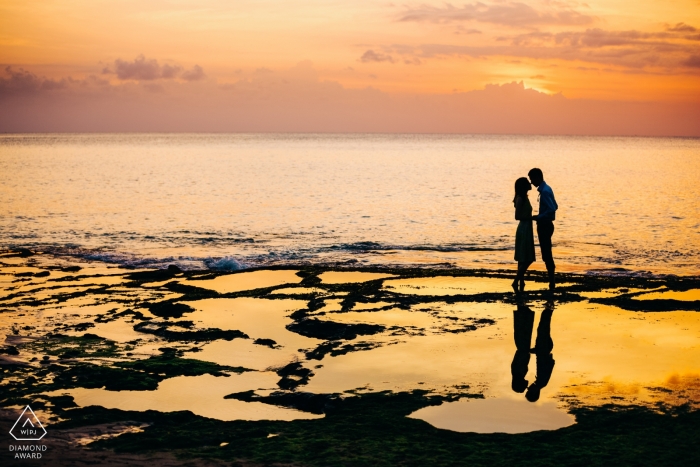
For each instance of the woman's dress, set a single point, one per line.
(524, 237)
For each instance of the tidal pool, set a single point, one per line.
(202, 395)
(246, 281)
(449, 285)
(259, 318)
(497, 415)
(347, 277)
(402, 335)
(691, 295)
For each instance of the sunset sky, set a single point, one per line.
(338, 65)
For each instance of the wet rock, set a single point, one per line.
(24, 274)
(80, 327)
(84, 375)
(266, 342)
(293, 375)
(309, 278)
(304, 401)
(168, 365)
(169, 309)
(9, 350)
(335, 348)
(168, 331)
(152, 276)
(191, 291)
(87, 345)
(315, 304)
(330, 330)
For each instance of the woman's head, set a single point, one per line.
(522, 186)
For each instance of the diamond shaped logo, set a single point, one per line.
(28, 427)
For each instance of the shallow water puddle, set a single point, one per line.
(83, 310)
(608, 293)
(230, 283)
(347, 277)
(118, 331)
(299, 290)
(448, 285)
(591, 344)
(502, 415)
(690, 295)
(243, 352)
(601, 354)
(259, 318)
(202, 395)
(391, 317)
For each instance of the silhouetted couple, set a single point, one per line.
(524, 319)
(524, 237)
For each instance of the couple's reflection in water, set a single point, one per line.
(524, 320)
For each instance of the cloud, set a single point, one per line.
(372, 56)
(515, 14)
(139, 69)
(601, 38)
(693, 61)
(143, 69)
(195, 74)
(664, 51)
(297, 100)
(681, 27)
(169, 72)
(23, 82)
(462, 30)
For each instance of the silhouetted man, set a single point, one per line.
(545, 220)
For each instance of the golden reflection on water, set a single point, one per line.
(591, 344)
(498, 415)
(345, 277)
(449, 285)
(693, 294)
(246, 281)
(257, 317)
(602, 353)
(202, 395)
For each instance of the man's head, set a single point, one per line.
(536, 176)
(533, 393)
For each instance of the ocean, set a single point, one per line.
(232, 201)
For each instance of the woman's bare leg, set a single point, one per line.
(522, 269)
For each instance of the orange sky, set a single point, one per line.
(613, 50)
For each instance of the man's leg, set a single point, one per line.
(545, 230)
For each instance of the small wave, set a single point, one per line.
(226, 263)
(369, 246)
(623, 272)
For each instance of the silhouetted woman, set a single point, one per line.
(524, 238)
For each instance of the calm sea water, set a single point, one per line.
(231, 201)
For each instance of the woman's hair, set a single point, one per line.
(521, 186)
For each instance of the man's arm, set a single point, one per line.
(548, 206)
